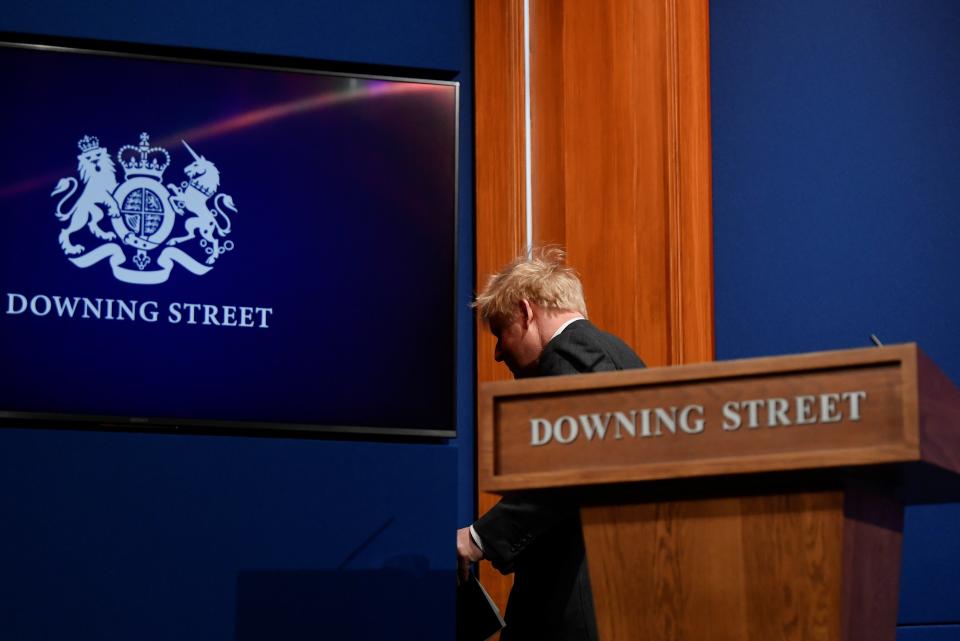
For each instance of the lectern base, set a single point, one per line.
(807, 565)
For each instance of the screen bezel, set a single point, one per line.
(267, 62)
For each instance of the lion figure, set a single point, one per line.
(192, 196)
(98, 174)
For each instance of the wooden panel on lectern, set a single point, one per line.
(809, 565)
(831, 409)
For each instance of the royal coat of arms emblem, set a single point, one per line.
(142, 212)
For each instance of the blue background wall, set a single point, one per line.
(836, 131)
(149, 536)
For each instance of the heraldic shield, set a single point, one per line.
(146, 218)
(143, 212)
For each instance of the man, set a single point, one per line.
(534, 306)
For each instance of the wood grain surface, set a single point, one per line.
(500, 190)
(795, 566)
(620, 166)
(886, 429)
(939, 415)
(620, 116)
(873, 535)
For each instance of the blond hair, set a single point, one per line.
(541, 278)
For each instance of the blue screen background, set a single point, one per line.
(345, 191)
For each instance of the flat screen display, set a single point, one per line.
(211, 244)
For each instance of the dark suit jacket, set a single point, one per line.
(538, 536)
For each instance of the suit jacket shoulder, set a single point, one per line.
(581, 347)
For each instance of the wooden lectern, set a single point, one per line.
(751, 500)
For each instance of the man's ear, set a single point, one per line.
(526, 312)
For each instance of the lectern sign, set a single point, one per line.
(828, 407)
(817, 410)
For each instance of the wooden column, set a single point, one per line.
(500, 188)
(620, 165)
(621, 158)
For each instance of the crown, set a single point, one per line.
(143, 160)
(88, 143)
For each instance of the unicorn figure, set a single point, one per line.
(203, 180)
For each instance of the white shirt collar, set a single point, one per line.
(565, 325)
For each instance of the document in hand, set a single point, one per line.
(478, 617)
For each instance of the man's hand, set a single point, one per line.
(467, 553)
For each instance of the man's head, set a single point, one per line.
(525, 303)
